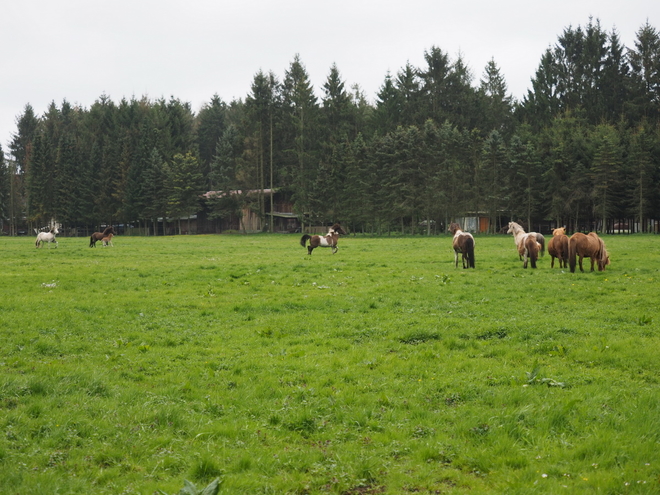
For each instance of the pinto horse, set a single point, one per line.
(47, 237)
(463, 242)
(558, 247)
(98, 236)
(328, 240)
(587, 246)
(520, 236)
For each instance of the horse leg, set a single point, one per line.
(580, 261)
(592, 262)
(552, 262)
(455, 258)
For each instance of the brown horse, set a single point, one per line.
(107, 240)
(463, 242)
(558, 247)
(531, 249)
(587, 246)
(328, 240)
(98, 236)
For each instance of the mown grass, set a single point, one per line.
(381, 369)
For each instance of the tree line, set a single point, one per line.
(582, 147)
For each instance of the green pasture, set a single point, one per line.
(380, 369)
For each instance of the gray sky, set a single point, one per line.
(77, 50)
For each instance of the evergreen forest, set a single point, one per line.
(581, 149)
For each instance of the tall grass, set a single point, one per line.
(381, 369)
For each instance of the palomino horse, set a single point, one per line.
(98, 236)
(463, 243)
(328, 240)
(558, 247)
(519, 236)
(47, 237)
(587, 246)
(107, 241)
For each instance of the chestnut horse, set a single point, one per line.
(587, 246)
(98, 236)
(107, 241)
(328, 240)
(531, 248)
(558, 247)
(463, 242)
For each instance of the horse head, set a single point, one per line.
(336, 228)
(559, 231)
(453, 228)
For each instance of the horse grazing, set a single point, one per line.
(558, 247)
(463, 242)
(47, 237)
(519, 237)
(587, 246)
(98, 236)
(107, 241)
(328, 240)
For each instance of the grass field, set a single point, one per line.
(380, 369)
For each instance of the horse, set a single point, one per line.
(107, 241)
(463, 242)
(587, 246)
(531, 248)
(558, 247)
(47, 237)
(328, 240)
(98, 236)
(519, 236)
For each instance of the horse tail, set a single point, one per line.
(541, 240)
(572, 251)
(469, 249)
(304, 239)
(532, 249)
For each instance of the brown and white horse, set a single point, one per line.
(463, 242)
(328, 240)
(98, 236)
(558, 247)
(587, 246)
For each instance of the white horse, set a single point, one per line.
(519, 237)
(47, 237)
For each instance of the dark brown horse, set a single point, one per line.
(558, 247)
(587, 246)
(328, 240)
(98, 236)
(463, 243)
(531, 249)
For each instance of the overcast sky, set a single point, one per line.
(77, 50)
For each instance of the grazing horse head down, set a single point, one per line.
(558, 248)
(47, 237)
(587, 246)
(98, 236)
(463, 243)
(328, 240)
